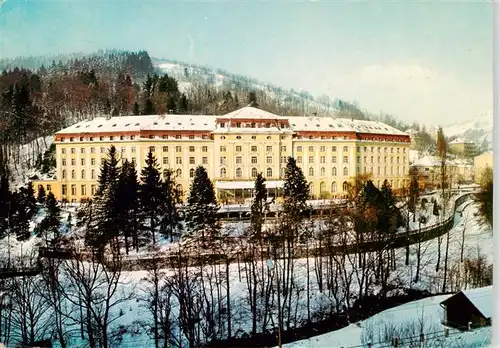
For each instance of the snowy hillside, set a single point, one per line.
(188, 75)
(475, 129)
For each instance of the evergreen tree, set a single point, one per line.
(27, 195)
(51, 223)
(259, 206)
(136, 111)
(252, 99)
(295, 191)
(170, 219)
(151, 195)
(128, 205)
(413, 196)
(201, 212)
(5, 197)
(41, 194)
(103, 226)
(18, 221)
(149, 108)
(485, 196)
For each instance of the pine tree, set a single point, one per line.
(485, 196)
(136, 111)
(259, 206)
(41, 194)
(170, 219)
(128, 205)
(103, 226)
(252, 99)
(151, 196)
(295, 191)
(18, 221)
(51, 223)
(5, 197)
(201, 212)
(28, 195)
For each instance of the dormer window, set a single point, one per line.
(155, 123)
(222, 125)
(114, 125)
(252, 124)
(238, 125)
(137, 124)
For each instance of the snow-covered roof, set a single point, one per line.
(427, 161)
(208, 123)
(482, 299)
(461, 141)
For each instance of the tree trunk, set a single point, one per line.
(446, 260)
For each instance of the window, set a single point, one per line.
(92, 174)
(222, 161)
(345, 149)
(222, 149)
(152, 149)
(63, 162)
(101, 138)
(238, 172)
(299, 148)
(92, 189)
(83, 189)
(269, 172)
(299, 159)
(283, 159)
(49, 188)
(282, 171)
(334, 187)
(111, 138)
(334, 171)
(178, 160)
(334, 159)
(322, 160)
(254, 159)
(269, 160)
(73, 190)
(238, 148)
(254, 172)
(191, 160)
(82, 161)
(178, 136)
(322, 149)
(222, 125)
(269, 148)
(311, 148)
(132, 137)
(358, 149)
(283, 148)
(191, 173)
(73, 150)
(82, 174)
(71, 139)
(238, 124)
(165, 173)
(238, 160)
(92, 150)
(73, 174)
(178, 173)
(73, 162)
(346, 171)
(345, 186)
(254, 148)
(63, 174)
(322, 187)
(63, 151)
(191, 136)
(322, 171)
(179, 189)
(165, 160)
(82, 150)
(334, 148)
(358, 159)
(64, 190)
(204, 160)
(311, 171)
(371, 160)
(178, 149)
(103, 150)
(204, 148)
(122, 137)
(133, 160)
(311, 159)
(165, 148)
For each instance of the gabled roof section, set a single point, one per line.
(481, 298)
(251, 112)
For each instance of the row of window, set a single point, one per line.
(93, 188)
(133, 137)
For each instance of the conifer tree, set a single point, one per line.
(295, 191)
(41, 194)
(170, 219)
(28, 195)
(252, 99)
(51, 223)
(201, 212)
(151, 196)
(128, 204)
(18, 221)
(259, 206)
(136, 111)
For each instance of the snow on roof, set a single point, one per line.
(461, 141)
(251, 112)
(482, 299)
(207, 123)
(427, 161)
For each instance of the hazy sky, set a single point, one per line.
(424, 61)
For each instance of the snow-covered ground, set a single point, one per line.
(404, 322)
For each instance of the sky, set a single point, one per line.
(428, 62)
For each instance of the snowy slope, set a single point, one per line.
(475, 129)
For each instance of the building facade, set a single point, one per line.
(234, 148)
(481, 162)
(463, 147)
